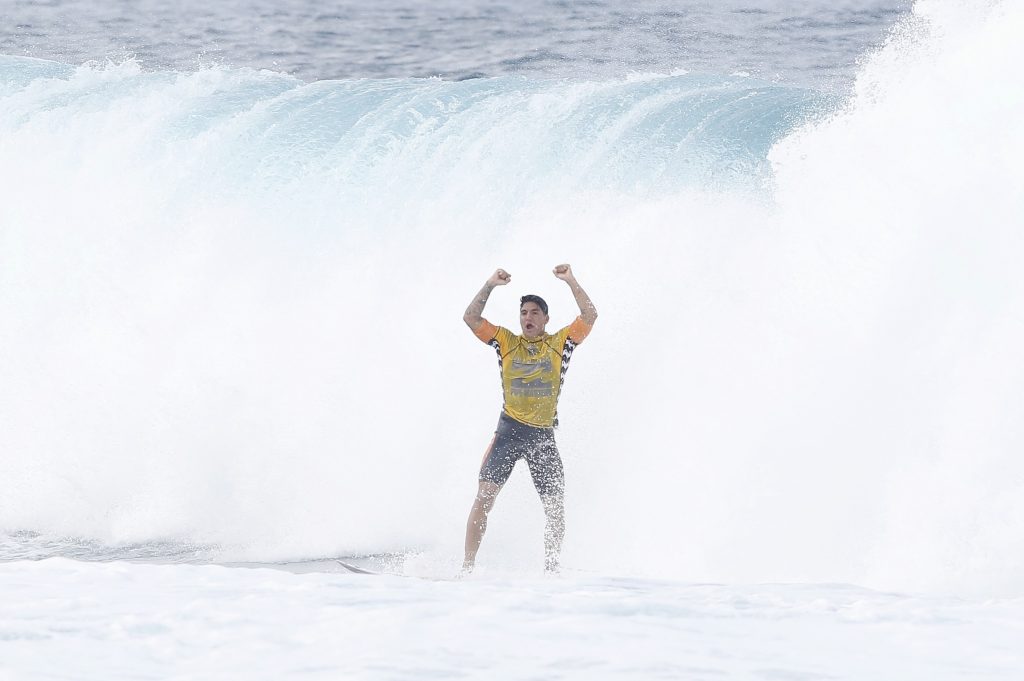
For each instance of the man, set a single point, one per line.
(533, 366)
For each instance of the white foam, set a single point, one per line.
(91, 621)
(235, 329)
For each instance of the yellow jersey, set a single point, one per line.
(532, 371)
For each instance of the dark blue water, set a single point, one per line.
(813, 43)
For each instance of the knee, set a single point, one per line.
(484, 503)
(486, 495)
(553, 504)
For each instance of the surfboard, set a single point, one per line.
(355, 568)
(358, 570)
(370, 564)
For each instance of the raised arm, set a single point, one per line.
(474, 313)
(587, 310)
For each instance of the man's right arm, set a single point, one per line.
(474, 313)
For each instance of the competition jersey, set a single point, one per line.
(532, 371)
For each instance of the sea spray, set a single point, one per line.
(230, 301)
(916, 193)
(225, 292)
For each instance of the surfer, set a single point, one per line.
(533, 366)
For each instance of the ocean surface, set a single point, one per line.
(813, 43)
(236, 243)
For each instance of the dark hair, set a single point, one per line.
(534, 299)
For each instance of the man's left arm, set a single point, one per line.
(588, 313)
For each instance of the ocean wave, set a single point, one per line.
(230, 302)
(651, 134)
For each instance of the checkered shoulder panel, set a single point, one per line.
(567, 349)
(497, 348)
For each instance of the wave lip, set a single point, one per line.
(654, 133)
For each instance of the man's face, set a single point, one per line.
(532, 319)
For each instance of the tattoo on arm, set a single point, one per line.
(587, 309)
(474, 312)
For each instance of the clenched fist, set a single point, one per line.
(563, 272)
(499, 278)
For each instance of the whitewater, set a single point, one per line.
(231, 349)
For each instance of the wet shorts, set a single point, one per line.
(513, 441)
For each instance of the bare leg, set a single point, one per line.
(477, 523)
(554, 530)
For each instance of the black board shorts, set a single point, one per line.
(514, 440)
